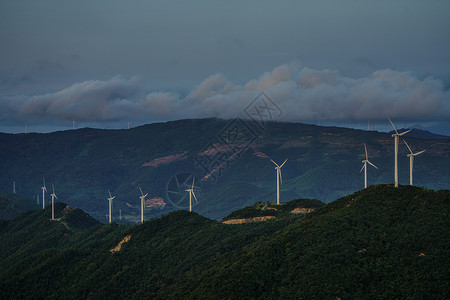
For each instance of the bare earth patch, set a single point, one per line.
(119, 245)
(165, 160)
(249, 220)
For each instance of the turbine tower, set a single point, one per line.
(44, 189)
(365, 162)
(411, 162)
(279, 179)
(396, 136)
(110, 199)
(142, 197)
(191, 193)
(53, 198)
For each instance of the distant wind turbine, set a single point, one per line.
(366, 161)
(110, 199)
(142, 197)
(191, 193)
(53, 198)
(411, 162)
(279, 179)
(396, 136)
(44, 189)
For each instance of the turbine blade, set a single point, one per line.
(274, 163)
(364, 165)
(194, 197)
(109, 193)
(279, 174)
(145, 195)
(53, 188)
(193, 180)
(365, 149)
(404, 132)
(142, 194)
(372, 165)
(283, 163)
(408, 146)
(55, 196)
(393, 126)
(415, 154)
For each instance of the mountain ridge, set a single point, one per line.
(225, 156)
(381, 242)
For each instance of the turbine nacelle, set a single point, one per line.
(396, 132)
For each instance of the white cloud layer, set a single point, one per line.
(303, 94)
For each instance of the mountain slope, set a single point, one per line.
(382, 242)
(228, 158)
(11, 205)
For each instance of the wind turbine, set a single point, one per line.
(142, 197)
(53, 198)
(191, 193)
(110, 199)
(396, 135)
(411, 162)
(44, 189)
(279, 179)
(366, 161)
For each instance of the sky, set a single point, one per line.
(109, 63)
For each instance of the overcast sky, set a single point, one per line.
(107, 63)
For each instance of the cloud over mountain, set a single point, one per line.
(303, 94)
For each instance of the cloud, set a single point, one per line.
(303, 94)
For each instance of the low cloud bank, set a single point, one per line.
(302, 94)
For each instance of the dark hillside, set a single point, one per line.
(11, 205)
(230, 160)
(382, 242)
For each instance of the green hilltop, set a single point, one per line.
(381, 242)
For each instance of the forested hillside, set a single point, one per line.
(229, 159)
(382, 242)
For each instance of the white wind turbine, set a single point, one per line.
(142, 197)
(191, 193)
(396, 135)
(53, 198)
(44, 189)
(366, 161)
(279, 179)
(411, 162)
(110, 199)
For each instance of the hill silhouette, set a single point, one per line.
(382, 242)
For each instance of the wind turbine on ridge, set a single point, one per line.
(191, 193)
(53, 198)
(366, 161)
(44, 189)
(411, 162)
(279, 179)
(396, 136)
(142, 197)
(110, 199)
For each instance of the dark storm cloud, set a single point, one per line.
(303, 94)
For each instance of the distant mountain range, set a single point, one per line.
(11, 205)
(229, 159)
(381, 242)
(422, 134)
